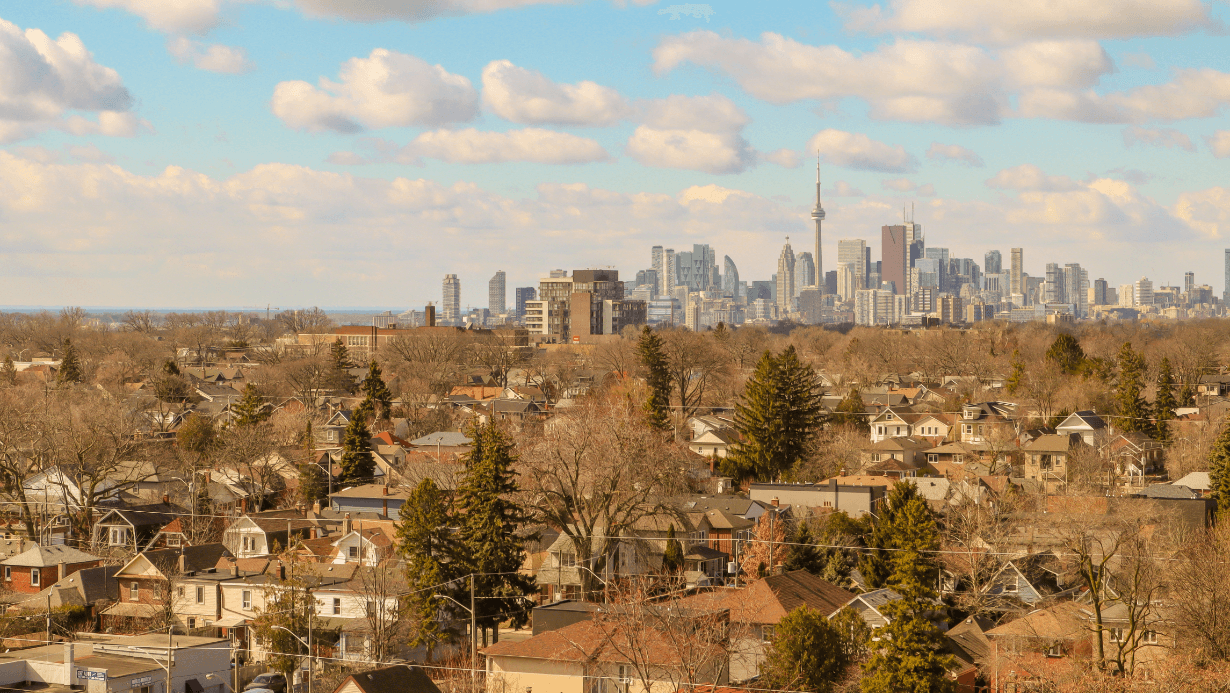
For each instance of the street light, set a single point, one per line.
(307, 643)
(473, 627)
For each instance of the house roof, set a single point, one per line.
(591, 639)
(722, 519)
(1168, 491)
(1051, 443)
(1083, 419)
(731, 504)
(42, 556)
(1062, 621)
(1198, 481)
(394, 679)
(372, 491)
(768, 600)
(442, 438)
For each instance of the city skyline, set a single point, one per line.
(281, 153)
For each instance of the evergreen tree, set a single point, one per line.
(852, 412)
(357, 465)
(249, 410)
(339, 356)
(657, 376)
(1129, 392)
(1016, 379)
(1165, 403)
(430, 551)
(1219, 471)
(672, 556)
(376, 391)
(9, 372)
(491, 521)
(807, 653)
(313, 485)
(803, 554)
(169, 367)
(70, 364)
(904, 521)
(778, 418)
(197, 434)
(1066, 353)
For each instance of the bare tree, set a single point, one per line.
(1201, 585)
(694, 364)
(23, 452)
(382, 587)
(144, 322)
(433, 357)
(308, 321)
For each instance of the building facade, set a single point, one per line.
(497, 294)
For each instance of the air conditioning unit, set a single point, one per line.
(732, 568)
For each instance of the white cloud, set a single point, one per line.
(1219, 143)
(1030, 177)
(210, 57)
(907, 185)
(412, 10)
(1193, 93)
(844, 189)
(786, 158)
(1207, 211)
(700, 133)
(1141, 60)
(1157, 137)
(386, 89)
(1033, 19)
(1071, 64)
(172, 16)
(44, 79)
(954, 152)
(472, 146)
(858, 151)
(526, 96)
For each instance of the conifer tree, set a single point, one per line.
(248, 411)
(903, 521)
(807, 653)
(425, 540)
(852, 412)
(491, 521)
(1165, 403)
(70, 364)
(376, 391)
(1219, 471)
(1134, 412)
(1066, 352)
(778, 417)
(672, 555)
(357, 464)
(9, 372)
(340, 365)
(1016, 379)
(657, 376)
(803, 554)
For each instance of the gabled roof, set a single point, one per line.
(1054, 444)
(1198, 481)
(1167, 491)
(42, 556)
(1062, 621)
(723, 519)
(394, 679)
(1081, 420)
(442, 438)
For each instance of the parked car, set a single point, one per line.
(270, 680)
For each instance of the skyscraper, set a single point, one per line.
(450, 308)
(1189, 282)
(497, 295)
(785, 279)
(659, 269)
(525, 293)
(667, 275)
(817, 215)
(1018, 262)
(1075, 290)
(853, 252)
(730, 278)
(993, 262)
(804, 272)
(895, 257)
(1225, 295)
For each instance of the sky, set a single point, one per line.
(345, 153)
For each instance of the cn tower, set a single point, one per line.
(817, 215)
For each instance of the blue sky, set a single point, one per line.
(242, 152)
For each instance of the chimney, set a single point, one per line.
(207, 477)
(166, 500)
(774, 502)
(346, 524)
(386, 503)
(243, 505)
(384, 490)
(316, 506)
(183, 565)
(235, 570)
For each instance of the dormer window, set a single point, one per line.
(971, 413)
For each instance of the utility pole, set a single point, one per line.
(49, 617)
(234, 663)
(170, 632)
(473, 634)
(311, 612)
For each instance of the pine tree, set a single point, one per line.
(1219, 471)
(852, 412)
(903, 521)
(249, 410)
(430, 551)
(70, 364)
(9, 372)
(778, 418)
(1017, 378)
(491, 521)
(657, 376)
(339, 356)
(672, 555)
(803, 554)
(807, 653)
(376, 391)
(357, 465)
(1134, 412)
(1066, 353)
(1165, 403)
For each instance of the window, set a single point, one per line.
(245, 542)
(134, 591)
(966, 428)
(1149, 637)
(1116, 634)
(157, 590)
(888, 416)
(625, 673)
(118, 536)
(173, 540)
(568, 559)
(767, 633)
(337, 606)
(191, 622)
(370, 608)
(179, 592)
(332, 434)
(34, 576)
(354, 552)
(8, 573)
(880, 430)
(246, 596)
(200, 595)
(1055, 650)
(1011, 584)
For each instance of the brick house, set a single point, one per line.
(39, 566)
(146, 584)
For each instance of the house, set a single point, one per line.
(700, 425)
(904, 449)
(746, 508)
(146, 580)
(854, 495)
(399, 678)
(363, 546)
(330, 433)
(727, 531)
(1214, 385)
(987, 420)
(443, 443)
(1032, 579)
(893, 422)
(565, 612)
(39, 566)
(587, 657)
(369, 498)
(257, 534)
(1134, 454)
(1028, 651)
(90, 588)
(133, 527)
(1086, 423)
(1196, 481)
(870, 606)
(1046, 458)
(713, 443)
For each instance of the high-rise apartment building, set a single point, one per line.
(525, 293)
(667, 276)
(1189, 282)
(1075, 289)
(1225, 295)
(589, 302)
(852, 252)
(657, 261)
(817, 216)
(785, 279)
(804, 272)
(696, 268)
(993, 262)
(1018, 271)
(497, 294)
(1142, 292)
(895, 257)
(1097, 293)
(730, 279)
(450, 307)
